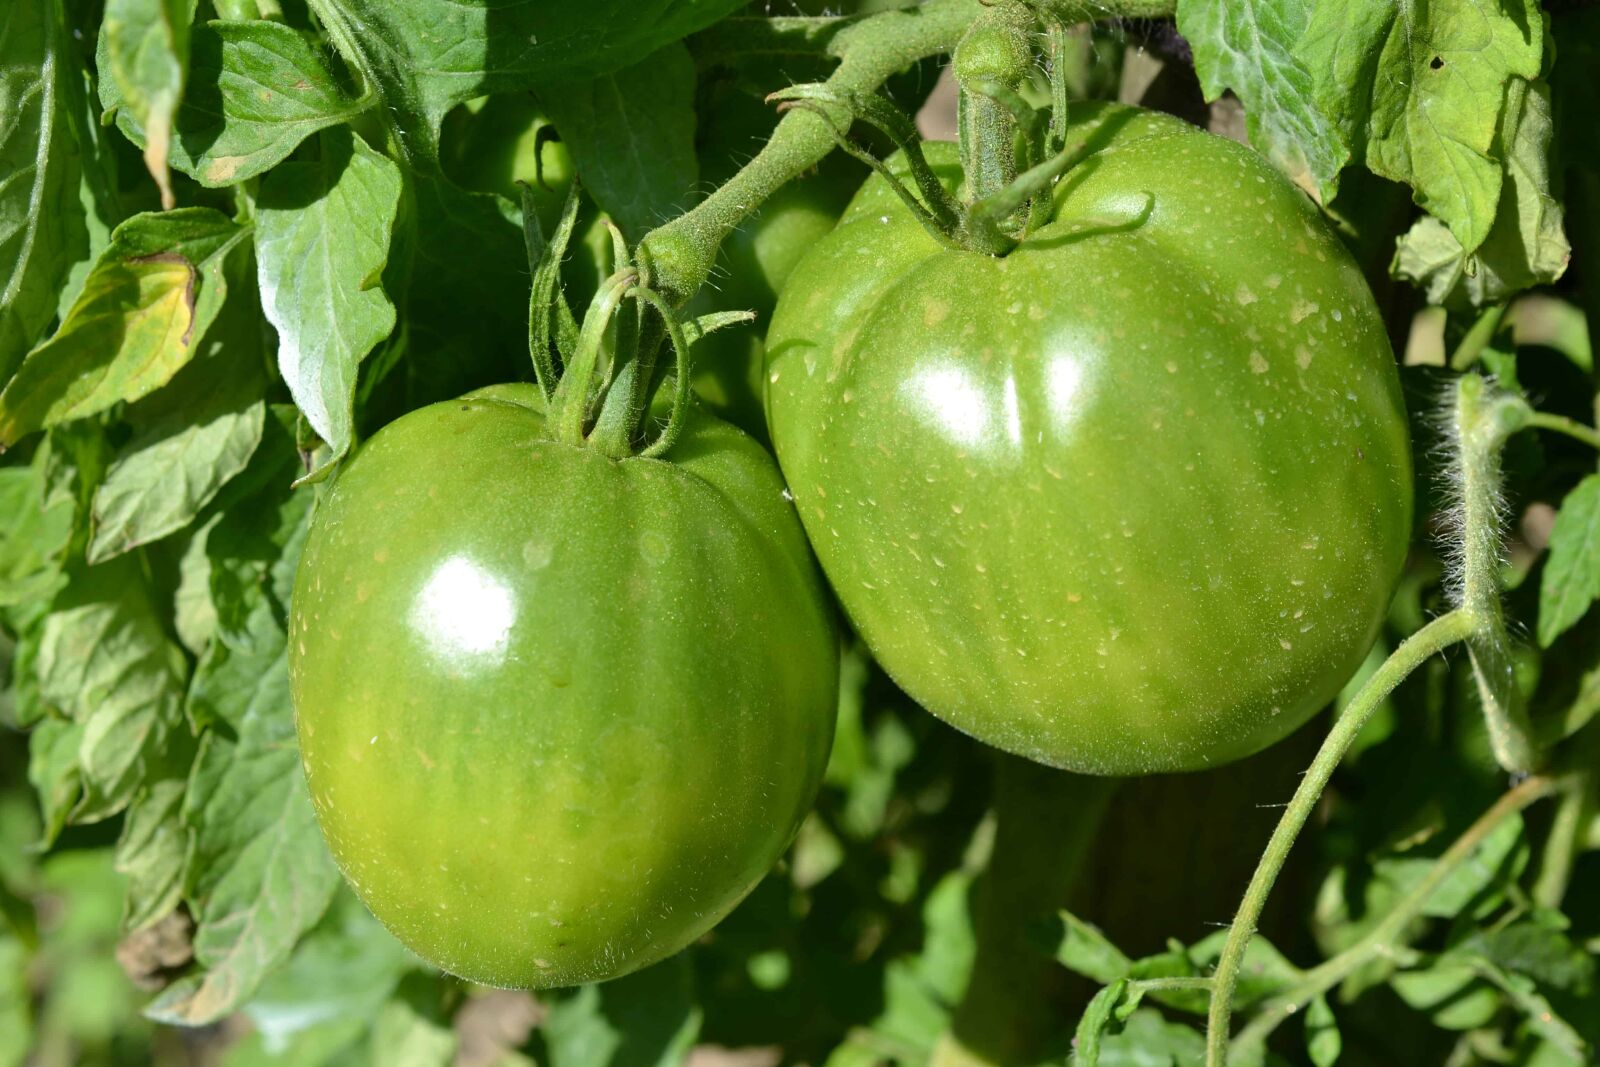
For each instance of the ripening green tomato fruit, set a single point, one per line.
(559, 713)
(1132, 498)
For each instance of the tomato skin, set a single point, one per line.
(559, 713)
(1133, 498)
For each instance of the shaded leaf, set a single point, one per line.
(426, 56)
(33, 534)
(200, 432)
(41, 220)
(631, 135)
(1571, 581)
(105, 661)
(647, 1019)
(1323, 1043)
(256, 90)
(150, 853)
(322, 242)
(53, 772)
(143, 312)
(147, 51)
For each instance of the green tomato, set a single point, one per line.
(1132, 498)
(559, 713)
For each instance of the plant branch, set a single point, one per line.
(1389, 936)
(682, 252)
(1570, 427)
(1419, 647)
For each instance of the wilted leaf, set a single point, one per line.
(1418, 92)
(151, 851)
(1526, 246)
(147, 51)
(143, 312)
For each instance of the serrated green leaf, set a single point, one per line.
(53, 772)
(631, 135)
(345, 968)
(202, 430)
(648, 1019)
(404, 1037)
(1571, 581)
(1527, 245)
(142, 315)
(1451, 993)
(1097, 1019)
(105, 661)
(1249, 48)
(33, 535)
(41, 220)
(259, 874)
(147, 52)
(150, 853)
(256, 89)
(1147, 1039)
(1418, 92)
(1084, 949)
(322, 241)
(426, 56)
(1323, 1043)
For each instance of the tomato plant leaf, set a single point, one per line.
(1323, 1043)
(16, 1020)
(255, 91)
(632, 136)
(41, 221)
(1430, 87)
(1084, 949)
(322, 241)
(1249, 48)
(54, 773)
(407, 1037)
(1527, 244)
(653, 1011)
(1147, 1037)
(425, 57)
(1571, 581)
(151, 851)
(196, 434)
(105, 661)
(147, 52)
(33, 534)
(259, 875)
(143, 312)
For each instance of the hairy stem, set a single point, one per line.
(1481, 418)
(1389, 935)
(681, 253)
(1420, 646)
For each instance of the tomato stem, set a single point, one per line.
(1391, 933)
(1480, 420)
(683, 251)
(1439, 634)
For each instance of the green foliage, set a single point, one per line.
(176, 384)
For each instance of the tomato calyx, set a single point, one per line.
(1012, 153)
(597, 380)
